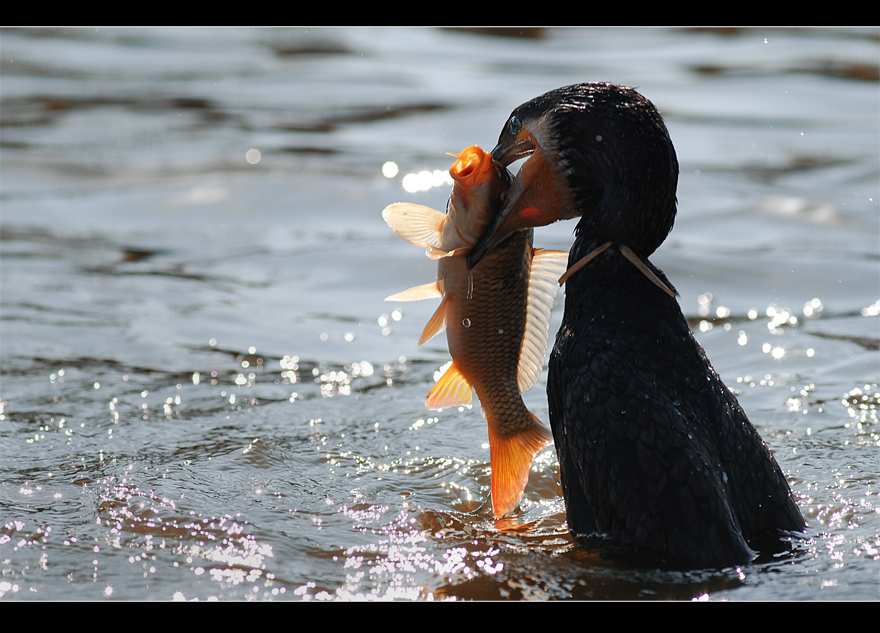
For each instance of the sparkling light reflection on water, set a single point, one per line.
(204, 396)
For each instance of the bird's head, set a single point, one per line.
(596, 151)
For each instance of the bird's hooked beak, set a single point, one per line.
(532, 199)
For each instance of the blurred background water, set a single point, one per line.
(204, 395)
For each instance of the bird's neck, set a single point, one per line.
(593, 266)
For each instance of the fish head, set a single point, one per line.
(479, 183)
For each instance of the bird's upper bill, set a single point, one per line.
(532, 200)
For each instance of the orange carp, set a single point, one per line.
(496, 316)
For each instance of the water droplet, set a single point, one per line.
(466, 322)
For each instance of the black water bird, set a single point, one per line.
(657, 458)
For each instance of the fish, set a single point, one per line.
(496, 315)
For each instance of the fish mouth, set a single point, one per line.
(473, 163)
(530, 201)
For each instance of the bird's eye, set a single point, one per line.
(515, 126)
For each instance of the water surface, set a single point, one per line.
(204, 395)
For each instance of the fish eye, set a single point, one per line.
(514, 126)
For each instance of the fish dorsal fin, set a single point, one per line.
(417, 293)
(416, 223)
(547, 266)
(436, 324)
(451, 390)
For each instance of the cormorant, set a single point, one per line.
(657, 458)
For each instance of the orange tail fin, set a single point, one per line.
(512, 457)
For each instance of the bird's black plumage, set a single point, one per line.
(657, 459)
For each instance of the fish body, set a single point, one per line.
(496, 316)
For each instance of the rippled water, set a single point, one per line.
(204, 395)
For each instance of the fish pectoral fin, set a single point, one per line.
(436, 324)
(546, 268)
(417, 293)
(512, 457)
(451, 390)
(416, 223)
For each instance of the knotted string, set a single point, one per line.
(626, 252)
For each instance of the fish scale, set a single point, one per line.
(487, 350)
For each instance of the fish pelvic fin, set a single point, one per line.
(417, 293)
(546, 268)
(451, 390)
(512, 457)
(416, 223)
(437, 323)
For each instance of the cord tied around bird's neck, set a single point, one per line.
(626, 252)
